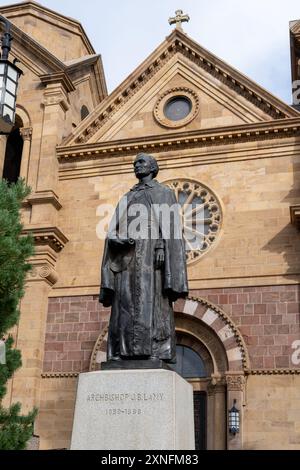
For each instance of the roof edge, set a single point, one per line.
(53, 15)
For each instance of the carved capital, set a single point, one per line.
(48, 273)
(26, 133)
(45, 272)
(216, 384)
(235, 382)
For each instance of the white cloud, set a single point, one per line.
(251, 36)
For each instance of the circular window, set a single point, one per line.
(176, 107)
(201, 216)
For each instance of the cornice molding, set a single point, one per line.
(235, 382)
(234, 79)
(37, 67)
(273, 372)
(58, 78)
(37, 49)
(86, 61)
(175, 141)
(59, 375)
(179, 42)
(43, 197)
(50, 236)
(121, 95)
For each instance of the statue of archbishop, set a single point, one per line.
(144, 269)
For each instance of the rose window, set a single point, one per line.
(200, 216)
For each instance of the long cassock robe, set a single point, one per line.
(140, 295)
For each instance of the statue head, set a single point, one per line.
(144, 165)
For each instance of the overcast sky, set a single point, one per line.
(251, 36)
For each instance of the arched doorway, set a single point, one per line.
(193, 367)
(219, 368)
(13, 153)
(207, 377)
(210, 332)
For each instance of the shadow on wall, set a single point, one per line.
(287, 241)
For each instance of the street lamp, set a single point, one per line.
(9, 76)
(234, 419)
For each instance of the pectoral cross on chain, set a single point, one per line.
(179, 19)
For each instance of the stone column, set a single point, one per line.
(30, 334)
(26, 133)
(216, 413)
(30, 337)
(220, 417)
(210, 417)
(236, 383)
(40, 219)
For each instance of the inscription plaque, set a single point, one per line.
(133, 409)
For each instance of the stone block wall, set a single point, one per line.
(73, 326)
(272, 412)
(268, 318)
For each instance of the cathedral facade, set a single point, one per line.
(231, 151)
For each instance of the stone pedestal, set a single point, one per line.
(134, 410)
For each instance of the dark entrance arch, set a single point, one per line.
(190, 365)
(13, 153)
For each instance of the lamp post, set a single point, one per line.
(9, 77)
(234, 419)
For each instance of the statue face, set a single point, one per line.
(142, 166)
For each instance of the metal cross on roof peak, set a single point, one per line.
(179, 19)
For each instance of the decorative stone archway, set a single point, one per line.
(25, 129)
(206, 327)
(209, 331)
(219, 322)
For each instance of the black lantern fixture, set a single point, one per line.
(234, 419)
(9, 76)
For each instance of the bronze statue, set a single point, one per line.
(143, 270)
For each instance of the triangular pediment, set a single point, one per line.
(225, 96)
(143, 115)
